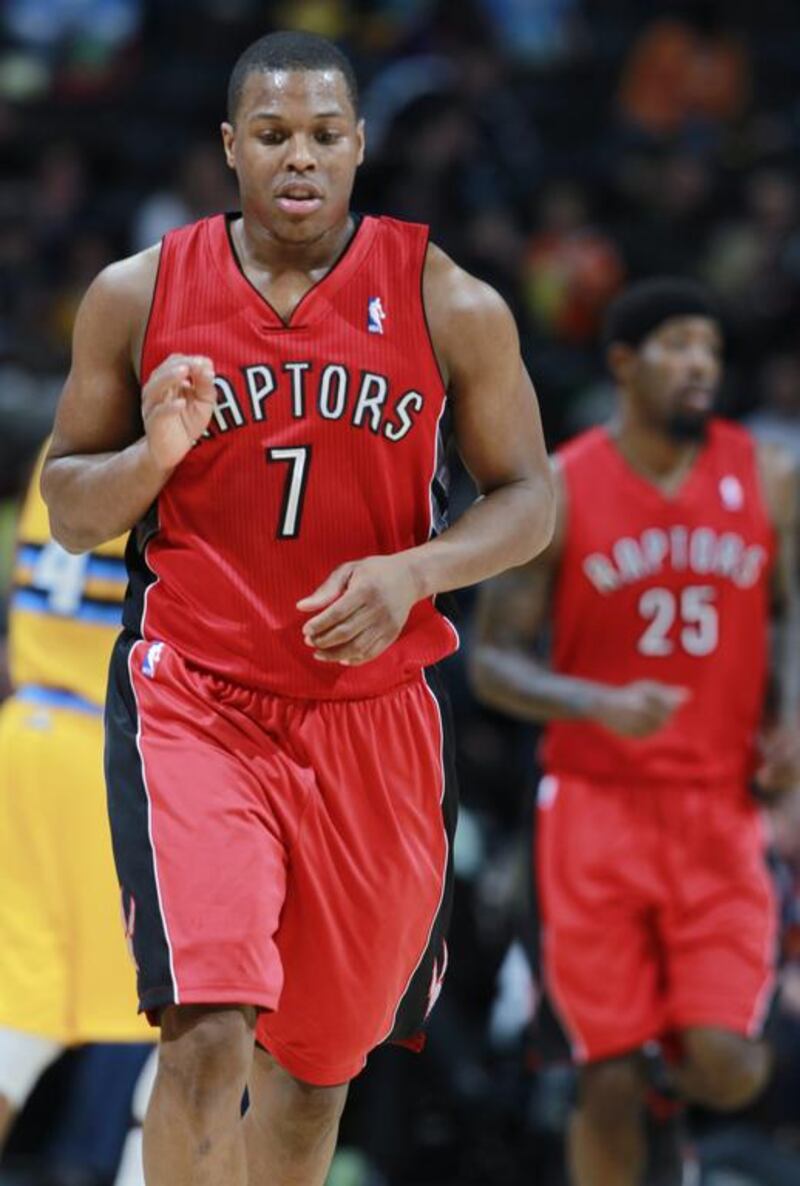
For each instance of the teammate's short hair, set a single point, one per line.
(289, 51)
(645, 306)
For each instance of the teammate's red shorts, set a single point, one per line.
(288, 854)
(657, 911)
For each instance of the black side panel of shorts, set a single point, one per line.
(416, 1002)
(129, 814)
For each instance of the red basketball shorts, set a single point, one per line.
(657, 911)
(288, 854)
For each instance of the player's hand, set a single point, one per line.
(360, 609)
(177, 402)
(779, 770)
(639, 708)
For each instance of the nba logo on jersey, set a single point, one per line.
(731, 493)
(151, 659)
(375, 315)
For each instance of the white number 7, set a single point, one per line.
(294, 489)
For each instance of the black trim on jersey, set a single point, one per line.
(440, 482)
(129, 814)
(414, 1007)
(140, 575)
(150, 310)
(426, 323)
(288, 323)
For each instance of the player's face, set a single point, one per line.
(295, 147)
(675, 375)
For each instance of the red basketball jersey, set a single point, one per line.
(672, 588)
(325, 446)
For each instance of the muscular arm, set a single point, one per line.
(512, 612)
(779, 482)
(99, 477)
(497, 431)
(779, 768)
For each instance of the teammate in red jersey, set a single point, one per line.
(674, 542)
(261, 398)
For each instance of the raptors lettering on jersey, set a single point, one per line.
(673, 588)
(326, 446)
(701, 550)
(365, 400)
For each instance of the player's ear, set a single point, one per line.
(362, 140)
(620, 359)
(228, 141)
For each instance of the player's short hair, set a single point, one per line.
(645, 306)
(289, 51)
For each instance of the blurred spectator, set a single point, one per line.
(202, 186)
(755, 259)
(685, 70)
(545, 33)
(664, 204)
(571, 269)
(778, 415)
(59, 193)
(75, 42)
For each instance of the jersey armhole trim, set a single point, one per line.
(426, 238)
(150, 311)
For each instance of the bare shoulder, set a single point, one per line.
(125, 288)
(467, 317)
(131, 280)
(778, 471)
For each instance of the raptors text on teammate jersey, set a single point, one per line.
(672, 588)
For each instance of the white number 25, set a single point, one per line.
(694, 609)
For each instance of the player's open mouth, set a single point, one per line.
(299, 199)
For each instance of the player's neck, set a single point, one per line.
(260, 249)
(652, 454)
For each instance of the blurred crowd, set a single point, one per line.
(559, 149)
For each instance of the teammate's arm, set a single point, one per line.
(507, 674)
(114, 447)
(780, 744)
(499, 436)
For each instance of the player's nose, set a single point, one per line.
(301, 156)
(701, 363)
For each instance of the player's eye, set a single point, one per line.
(327, 136)
(271, 137)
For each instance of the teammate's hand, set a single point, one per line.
(363, 607)
(779, 771)
(639, 708)
(177, 402)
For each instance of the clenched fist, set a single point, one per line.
(177, 402)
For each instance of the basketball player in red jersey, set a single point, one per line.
(261, 399)
(674, 542)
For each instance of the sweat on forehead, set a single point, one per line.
(281, 52)
(647, 305)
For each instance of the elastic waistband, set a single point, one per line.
(46, 697)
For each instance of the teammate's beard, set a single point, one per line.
(688, 426)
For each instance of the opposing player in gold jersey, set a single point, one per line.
(64, 971)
